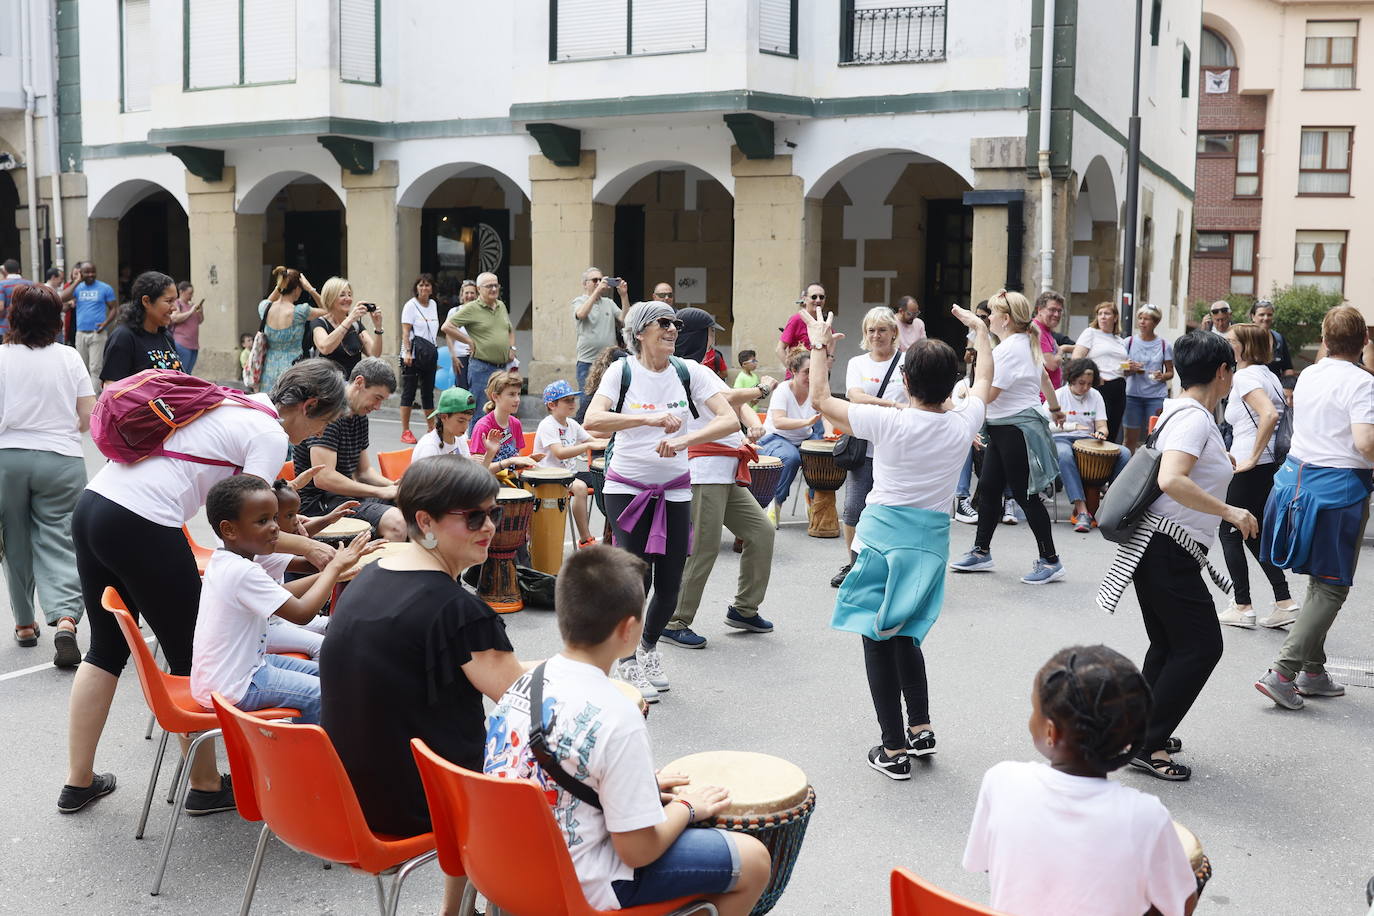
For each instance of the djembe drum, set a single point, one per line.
(342, 532)
(825, 477)
(633, 695)
(550, 488)
(770, 800)
(1202, 866)
(1095, 459)
(597, 468)
(499, 585)
(764, 475)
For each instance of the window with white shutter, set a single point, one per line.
(667, 26)
(586, 29)
(359, 41)
(269, 41)
(213, 44)
(136, 63)
(777, 27)
(239, 42)
(591, 29)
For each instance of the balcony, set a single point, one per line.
(891, 34)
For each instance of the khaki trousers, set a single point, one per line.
(717, 505)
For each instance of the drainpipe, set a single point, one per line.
(59, 245)
(30, 155)
(1046, 179)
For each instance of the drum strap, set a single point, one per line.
(540, 748)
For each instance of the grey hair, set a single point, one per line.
(375, 371)
(312, 378)
(591, 270)
(638, 318)
(1148, 309)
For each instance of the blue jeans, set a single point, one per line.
(290, 682)
(188, 358)
(1139, 410)
(703, 860)
(478, 373)
(582, 370)
(779, 447)
(1068, 466)
(965, 476)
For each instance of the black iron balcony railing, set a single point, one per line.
(894, 34)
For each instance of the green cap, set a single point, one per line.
(454, 400)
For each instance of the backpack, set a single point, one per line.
(135, 416)
(684, 375)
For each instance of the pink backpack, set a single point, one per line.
(136, 415)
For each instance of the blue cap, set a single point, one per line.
(556, 391)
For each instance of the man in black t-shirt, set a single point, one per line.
(346, 470)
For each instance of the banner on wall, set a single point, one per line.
(1217, 82)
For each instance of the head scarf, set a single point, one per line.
(639, 317)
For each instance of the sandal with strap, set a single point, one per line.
(66, 653)
(1163, 769)
(1173, 745)
(27, 642)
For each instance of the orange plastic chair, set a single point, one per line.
(1153, 422)
(177, 712)
(506, 815)
(303, 795)
(288, 471)
(202, 554)
(394, 464)
(528, 449)
(911, 896)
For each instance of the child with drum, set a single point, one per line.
(565, 444)
(1085, 417)
(628, 838)
(1064, 838)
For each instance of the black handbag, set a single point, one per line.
(850, 450)
(1133, 491)
(424, 355)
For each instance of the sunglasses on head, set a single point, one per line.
(666, 323)
(476, 518)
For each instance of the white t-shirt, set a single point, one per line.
(1107, 351)
(600, 737)
(1052, 843)
(1243, 418)
(237, 596)
(459, 348)
(430, 445)
(718, 469)
(866, 373)
(423, 319)
(38, 392)
(1329, 397)
(635, 455)
(898, 433)
(1194, 431)
(551, 432)
(1080, 414)
(168, 491)
(1016, 373)
(783, 399)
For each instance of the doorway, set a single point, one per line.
(949, 269)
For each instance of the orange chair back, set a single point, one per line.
(394, 464)
(528, 449)
(911, 896)
(167, 695)
(288, 471)
(202, 554)
(518, 859)
(1154, 421)
(240, 764)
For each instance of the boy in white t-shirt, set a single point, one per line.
(1064, 838)
(565, 444)
(238, 596)
(628, 846)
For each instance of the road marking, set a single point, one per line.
(23, 671)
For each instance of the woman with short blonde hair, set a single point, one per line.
(339, 334)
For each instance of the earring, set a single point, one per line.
(428, 541)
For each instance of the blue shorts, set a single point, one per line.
(704, 860)
(1139, 411)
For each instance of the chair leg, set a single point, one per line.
(254, 870)
(152, 720)
(176, 778)
(381, 895)
(152, 786)
(468, 905)
(183, 787)
(394, 898)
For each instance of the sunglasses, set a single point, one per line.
(820, 298)
(476, 518)
(666, 323)
(663, 295)
(1221, 311)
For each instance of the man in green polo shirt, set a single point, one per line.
(484, 325)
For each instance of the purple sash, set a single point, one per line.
(658, 532)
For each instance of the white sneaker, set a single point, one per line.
(631, 673)
(1235, 617)
(1009, 512)
(651, 662)
(1281, 617)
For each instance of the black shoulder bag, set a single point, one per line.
(850, 450)
(1134, 490)
(539, 746)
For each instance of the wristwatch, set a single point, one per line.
(821, 347)
(765, 390)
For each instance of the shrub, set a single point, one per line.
(1298, 313)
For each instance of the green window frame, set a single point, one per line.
(241, 79)
(376, 45)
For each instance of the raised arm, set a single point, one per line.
(982, 345)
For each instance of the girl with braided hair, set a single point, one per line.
(1064, 838)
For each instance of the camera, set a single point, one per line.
(370, 306)
(613, 282)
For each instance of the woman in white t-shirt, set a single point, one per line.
(1166, 555)
(870, 378)
(1101, 342)
(1085, 417)
(643, 401)
(419, 352)
(130, 513)
(895, 591)
(791, 421)
(1254, 408)
(46, 399)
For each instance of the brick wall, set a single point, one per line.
(1209, 279)
(1215, 206)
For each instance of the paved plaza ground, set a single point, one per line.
(1279, 800)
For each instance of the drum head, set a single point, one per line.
(766, 461)
(1096, 445)
(512, 495)
(547, 475)
(758, 783)
(818, 446)
(632, 694)
(345, 528)
(1191, 846)
(599, 464)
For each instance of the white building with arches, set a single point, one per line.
(738, 150)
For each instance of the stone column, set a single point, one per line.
(408, 254)
(989, 250)
(215, 268)
(373, 247)
(103, 249)
(772, 251)
(568, 232)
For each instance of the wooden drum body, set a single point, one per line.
(1095, 460)
(825, 477)
(764, 475)
(499, 585)
(770, 800)
(550, 488)
(342, 532)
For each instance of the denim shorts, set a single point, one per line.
(704, 860)
(1139, 411)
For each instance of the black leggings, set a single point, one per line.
(664, 574)
(1005, 465)
(152, 568)
(1250, 490)
(413, 377)
(896, 669)
(1114, 398)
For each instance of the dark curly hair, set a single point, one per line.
(1077, 367)
(225, 500)
(1097, 697)
(148, 285)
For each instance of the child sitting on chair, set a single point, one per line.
(565, 444)
(1064, 838)
(238, 596)
(629, 846)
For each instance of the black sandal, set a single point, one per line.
(66, 654)
(1163, 769)
(1173, 745)
(27, 642)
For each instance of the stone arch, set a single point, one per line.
(257, 198)
(615, 187)
(121, 198)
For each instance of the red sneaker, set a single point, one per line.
(408, 437)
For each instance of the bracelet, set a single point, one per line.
(821, 347)
(691, 812)
(378, 331)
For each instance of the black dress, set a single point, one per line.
(391, 670)
(348, 353)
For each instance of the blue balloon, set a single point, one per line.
(445, 358)
(443, 378)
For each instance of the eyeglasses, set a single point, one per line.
(820, 298)
(1221, 311)
(667, 295)
(491, 286)
(476, 518)
(666, 323)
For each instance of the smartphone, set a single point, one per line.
(370, 306)
(613, 282)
